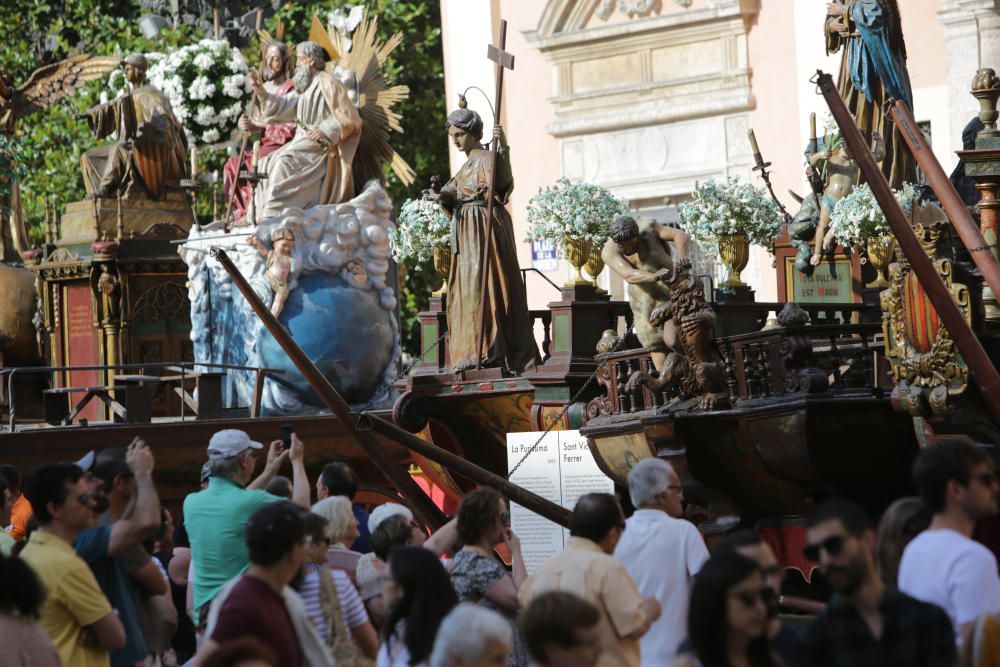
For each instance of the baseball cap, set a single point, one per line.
(86, 462)
(230, 442)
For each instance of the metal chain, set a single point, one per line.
(559, 417)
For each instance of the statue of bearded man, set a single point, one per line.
(315, 166)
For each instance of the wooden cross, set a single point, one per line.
(503, 60)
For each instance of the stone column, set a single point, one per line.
(972, 41)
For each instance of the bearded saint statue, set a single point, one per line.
(315, 166)
(277, 81)
(151, 145)
(873, 69)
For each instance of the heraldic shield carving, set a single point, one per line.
(928, 370)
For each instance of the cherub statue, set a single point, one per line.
(278, 265)
(354, 274)
(841, 175)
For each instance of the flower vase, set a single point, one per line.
(594, 266)
(880, 255)
(442, 265)
(577, 252)
(734, 250)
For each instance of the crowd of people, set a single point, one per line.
(255, 574)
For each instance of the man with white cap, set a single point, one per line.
(216, 517)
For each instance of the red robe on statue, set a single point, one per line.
(275, 136)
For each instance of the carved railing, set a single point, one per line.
(763, 364)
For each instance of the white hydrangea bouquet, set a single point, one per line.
(207, 85)
(857, 218)
(579, 211)
(421, 227)
(730, 207)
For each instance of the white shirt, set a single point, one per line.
(948, 569)
(393, 652)
(662, 554)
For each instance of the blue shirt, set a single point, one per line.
(216, 522)
(92, 546)
(363, 544)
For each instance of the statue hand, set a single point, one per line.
(682, 264)
(663, 274)
(257, 83)
(317, 136)
(815, 259)
(499, 135)
(246, 125)
(836, 25)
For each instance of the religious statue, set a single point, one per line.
(151, 146)
(507, 337)
(46, 86)
(277, 81)
(638, 252)
(109, 291)
(278, 265)
(873, 69)
(841, 175)
(693, 363)
(315, 167)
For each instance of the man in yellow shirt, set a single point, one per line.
(75, 614)
(587, 569)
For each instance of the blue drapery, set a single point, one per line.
(872, 56)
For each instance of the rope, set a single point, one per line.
(601, 362)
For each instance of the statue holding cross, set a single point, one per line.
(488, 320)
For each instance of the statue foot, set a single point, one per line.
(463, 365)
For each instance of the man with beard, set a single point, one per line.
(943, 565)
(315, 166)
(866, 624)
(104, 547)
(277, 81)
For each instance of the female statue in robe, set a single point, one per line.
(507, 339)
(873, 69)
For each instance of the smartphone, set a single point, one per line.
(286, 435)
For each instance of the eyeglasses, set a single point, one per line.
(750, 598)
(833, 545)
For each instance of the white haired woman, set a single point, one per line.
(472, 636)
(341, 531)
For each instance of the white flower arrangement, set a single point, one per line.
(421, 227)
(580, 211)
(858, 218)
(206, 83)
(730, 207)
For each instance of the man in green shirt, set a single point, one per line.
(216, 517)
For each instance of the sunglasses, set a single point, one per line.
(750, 598)
(833, 545)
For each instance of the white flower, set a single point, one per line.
(201, 88)
(206, 116)
(422, 226)
(235, 86)
(203, 61)
(210, 136)
(575, 210)
(732, 207)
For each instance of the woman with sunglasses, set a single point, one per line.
(478, 577)
(727, 616)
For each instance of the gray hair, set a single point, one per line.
(647, 479)
(225, 468)
(339, 514)
(465, 632)
(314, 51)
(624, 228)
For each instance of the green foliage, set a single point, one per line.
(45, 31)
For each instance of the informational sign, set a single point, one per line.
(81, 345)
(829, 283)
(561, 469)
(543, 255)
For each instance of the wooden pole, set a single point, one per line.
(484, 264)
(425, 509)
(952, 204)
(472, 472)
(984, 373)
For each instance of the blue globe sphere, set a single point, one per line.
(343, 329)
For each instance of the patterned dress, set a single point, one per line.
(472, 574)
